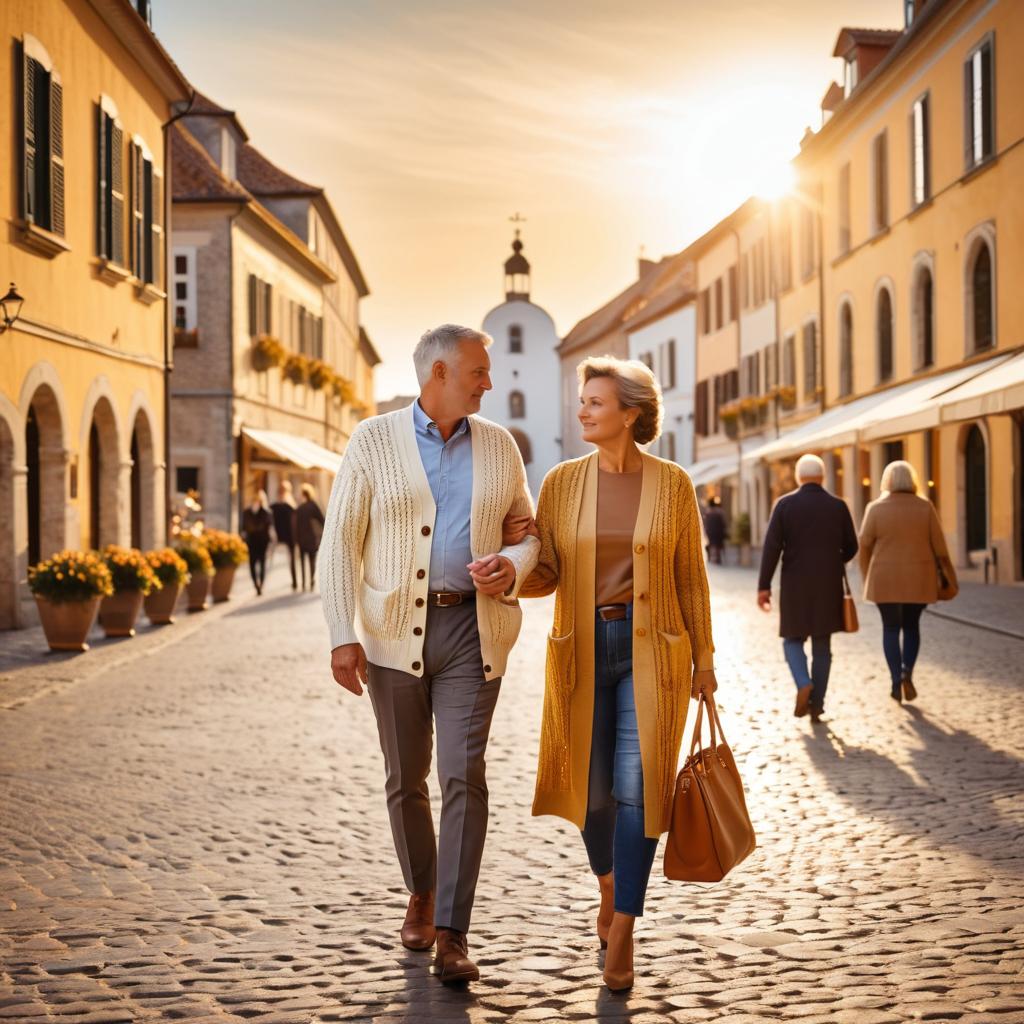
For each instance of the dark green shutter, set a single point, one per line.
(117, 194)
(56, 156)
(102, 183)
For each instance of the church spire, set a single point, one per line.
(517, 268)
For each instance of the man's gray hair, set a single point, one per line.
(809, 467)
(442, 343)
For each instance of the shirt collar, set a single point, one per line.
(426, 426)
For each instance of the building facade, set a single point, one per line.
(525, 372)
(272, 368)
(87, 91)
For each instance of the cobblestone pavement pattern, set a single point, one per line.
(200, 834)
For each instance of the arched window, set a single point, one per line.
(976, 490)
(515, 338)
(884, 335)
(846, 350)
(981, 298)
(516, 406)
(924, 319)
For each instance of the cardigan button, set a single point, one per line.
(420, 573)
(417, 630)
(419, 602)
(641, 597)
(415, 666)
(425, 531)
(487, 668)
(639, 549)
(641, 631)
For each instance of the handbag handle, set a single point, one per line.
(713, 721)
(846, 585)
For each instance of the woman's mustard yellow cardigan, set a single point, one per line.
(671, 630)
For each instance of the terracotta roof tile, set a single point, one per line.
(194, 175)
(203, 106)
(262, 178)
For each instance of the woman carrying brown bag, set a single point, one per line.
(620, 535)
(906, 567)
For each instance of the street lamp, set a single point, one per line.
(10, 308)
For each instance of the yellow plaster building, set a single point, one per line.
(87, 91)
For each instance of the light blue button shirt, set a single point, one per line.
(449, 469)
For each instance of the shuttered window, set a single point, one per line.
(701, 409)
(261, 297)
(880, 179)
(920, 150)
(110, 190)
(42, 193)
(979, 125)
(810, 360)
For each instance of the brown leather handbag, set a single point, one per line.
(948, 586)
(850, 621)
(710, 832)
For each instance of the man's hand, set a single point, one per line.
(764, 600)
(703, 680)
(348, 666)
(492, 574)
(515, 528)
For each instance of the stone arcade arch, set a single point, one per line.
(46, 471)
(142, 502)
(102, 470)
(12, 542)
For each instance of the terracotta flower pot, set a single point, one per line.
(222, 580)
(198, 590)
(160, 604)
(120, 611)
(67, 624)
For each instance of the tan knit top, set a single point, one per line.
(618, 499)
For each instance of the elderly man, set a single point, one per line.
(411, 542)
(813, 532)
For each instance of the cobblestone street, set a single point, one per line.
(200, 833)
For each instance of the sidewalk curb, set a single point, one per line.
(977, 625)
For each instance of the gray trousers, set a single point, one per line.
(452, 692)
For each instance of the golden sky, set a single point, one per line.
(608, 125)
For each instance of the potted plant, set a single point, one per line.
(227, 552)
(739, 535)
(68, 588)
(267, 352)
(786, 395)
(133, 579)
(343, 390)
(200, 566)
(729, 415)
(296, 368)
(171, 570)
(320, 374)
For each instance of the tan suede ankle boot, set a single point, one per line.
(618, 961)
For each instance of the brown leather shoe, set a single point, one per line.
(451, 961)
(803, 700)
(418, 930)
(909, 690)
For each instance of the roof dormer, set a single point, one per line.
(861, 50)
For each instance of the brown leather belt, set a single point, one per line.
(449, 598)
(611, 612)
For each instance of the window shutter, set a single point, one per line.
(268, 293)
(117, 194)
(969, 112)
(56, 155)
(253, 327)
(987, 121)
(102, 183)
(29, 81)
(156, 231)
(137, 200)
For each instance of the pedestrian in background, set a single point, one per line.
(283, 511)
(631, 641)
(714, 529)
(813, 533)
(902, 553)
(256, 523)
(309, 528)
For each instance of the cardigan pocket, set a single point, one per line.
(676, 650)
(380, 610)
(562, 662)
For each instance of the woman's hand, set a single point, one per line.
(515, 528)
(705, 681)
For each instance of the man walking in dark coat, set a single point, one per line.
(714, 529)
(813, 532)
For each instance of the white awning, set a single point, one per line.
(709, 471)
(299, 451)
(921, 407)
(998, 389)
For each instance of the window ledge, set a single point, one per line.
(110, 272)
(979, 168)
(925, 204)
(148, 293)
(879, 234)
(42, 241)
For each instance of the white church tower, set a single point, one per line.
(525, 371)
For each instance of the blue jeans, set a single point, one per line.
(613, 832)
(821, 663)
(897, 618)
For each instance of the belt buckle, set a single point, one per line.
(448, 599)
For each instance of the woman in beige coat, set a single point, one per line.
(902, 551)
(620, 535)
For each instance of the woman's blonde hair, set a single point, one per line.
(900, 476)
(308, 491)
(637, 388)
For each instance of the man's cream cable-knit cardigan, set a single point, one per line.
(374, 559)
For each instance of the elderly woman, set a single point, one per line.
(902, 552)
(620, 535)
